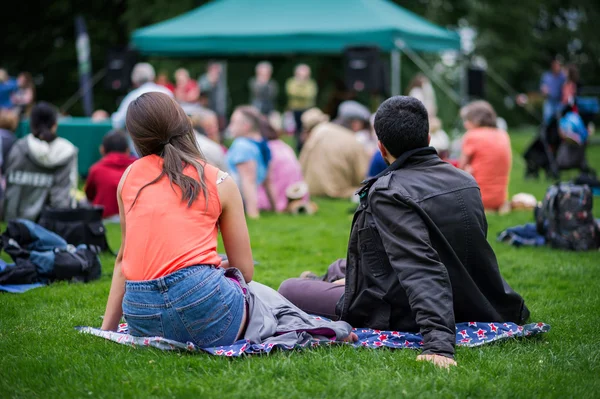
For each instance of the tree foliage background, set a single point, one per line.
(517, 40)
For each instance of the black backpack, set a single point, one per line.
(565, 218)
(77, 225)
(31, 247)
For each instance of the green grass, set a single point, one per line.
(41, 355)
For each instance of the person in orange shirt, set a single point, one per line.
(486, 154)
(168, 279)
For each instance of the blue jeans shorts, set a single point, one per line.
(195, 304)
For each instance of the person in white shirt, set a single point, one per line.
(142, 78)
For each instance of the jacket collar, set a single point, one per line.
(398, 163)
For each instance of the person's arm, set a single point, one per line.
(469, 146)
(114, 304)
(247, 172)
(420, 272)
(234, 230)
(270, 190)
(544, 86)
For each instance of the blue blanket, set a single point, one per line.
(467, 334)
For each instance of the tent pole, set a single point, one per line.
(396, 68)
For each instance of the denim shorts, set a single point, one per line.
(195, 304)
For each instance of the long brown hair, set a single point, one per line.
(159, 126)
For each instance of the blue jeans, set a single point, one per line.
(195, 304)
(551, 107)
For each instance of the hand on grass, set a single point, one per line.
(438, 360)
(351, 338)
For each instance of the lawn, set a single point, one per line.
(41, 355)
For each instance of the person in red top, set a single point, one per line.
(104, 176)
(486, 154)
(186, 89)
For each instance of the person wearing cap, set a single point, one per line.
(333, 161)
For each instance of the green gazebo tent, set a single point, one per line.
(240, 27)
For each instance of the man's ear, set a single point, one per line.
(382, 149)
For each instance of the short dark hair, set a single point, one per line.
(115, 141)
(401, 124)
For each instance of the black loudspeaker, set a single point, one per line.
(363, 69)
(119, 64)
(476, 82)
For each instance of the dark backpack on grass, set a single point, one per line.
(77, 225)
(42, 256)
(565, 218)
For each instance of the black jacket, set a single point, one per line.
(418, 256)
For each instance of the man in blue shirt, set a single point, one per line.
(551, 87)
(8, 85)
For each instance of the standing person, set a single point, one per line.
(420, 88)
(8, 86)
(302, 94)
(213, 90)
(571, 86)
(165, 279)
(418, 258)
(142, 77)
(486, 154)
(333, 162)
(186, 89)
(284, 171)
(551, 87)
(24, 96)
(249, 157)
(104, 176)
(263, 90)
(41, 169)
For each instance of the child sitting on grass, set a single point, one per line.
(104, 176)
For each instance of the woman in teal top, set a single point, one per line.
(249, 157)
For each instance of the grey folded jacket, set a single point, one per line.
(274, 319)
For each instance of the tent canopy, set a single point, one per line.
(242, 27)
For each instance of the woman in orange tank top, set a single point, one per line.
(168, 279)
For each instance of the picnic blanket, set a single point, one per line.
(467, 334)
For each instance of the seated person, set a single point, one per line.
(333, 161)
(249, 157)
(284, 171)
(168, 282)
(418, 258)
(486, 153)
(105, 175)
(41, 169)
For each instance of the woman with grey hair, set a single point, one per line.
(263, 89)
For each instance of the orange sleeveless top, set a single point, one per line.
(163, 235)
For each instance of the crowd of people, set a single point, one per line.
(164, 172)
(333, 156)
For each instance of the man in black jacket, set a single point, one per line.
(418, 257)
